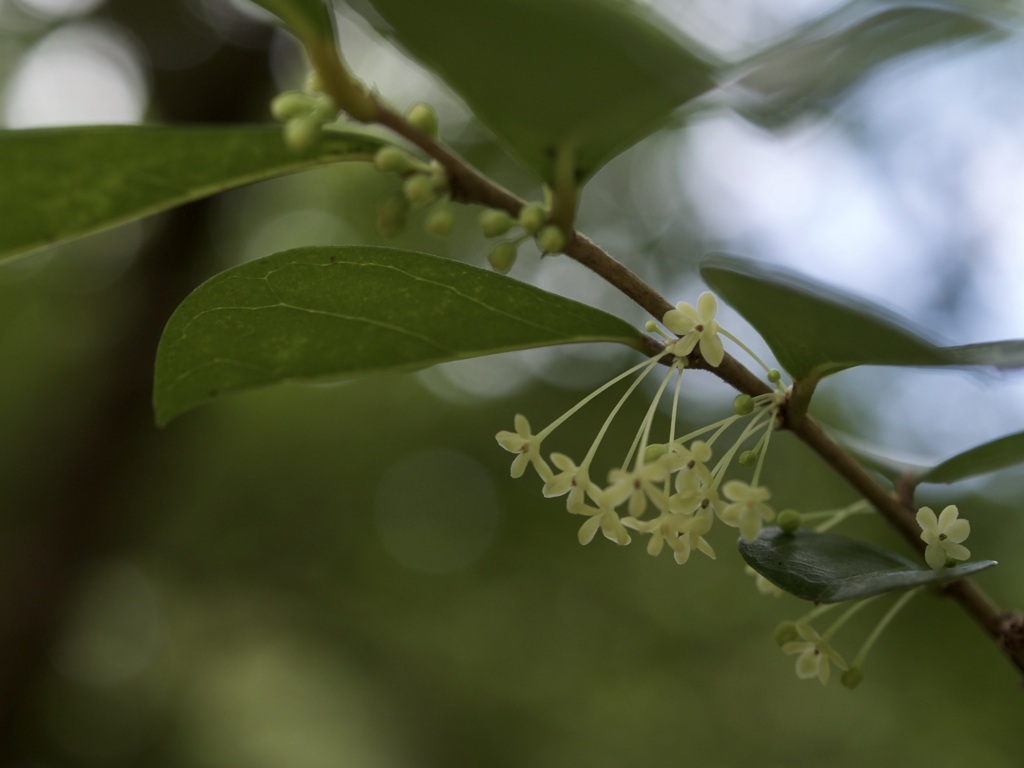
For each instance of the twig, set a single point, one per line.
(468, 185)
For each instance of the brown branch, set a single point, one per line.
(468, 185)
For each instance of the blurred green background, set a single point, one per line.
(345, 575)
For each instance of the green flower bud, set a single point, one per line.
(650, 326)
(301, 133)
(424, 117)
(395, 160)
(421, 189)
(654, 452)
(440, 221)
(533, 217)
(774, 376)
(391, 212)
(495, 223)
(851, 678)
(789, 520)
(748, 457)
(550, 239)
(743, 405)
(290, 104)
(503, 256)
(786, 632)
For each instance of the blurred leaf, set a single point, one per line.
(877, 458)
(814, 330)
(1004, 355)
(815, 67)
(328, 313)
(588, 76)
(1000, 453)
(61, 183)
(308, 19)
(829, 568)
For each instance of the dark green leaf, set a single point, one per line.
(1004, 355)
(1003, 452)
(815, 330)
(813, 68)
(329, 313)
(589, 77)
(829, 568)
(58, 184)
(308, 19)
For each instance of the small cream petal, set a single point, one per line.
(958, 551)
(927, 520)
(681, 320)
(958, 531)
(519, 465)
(707, 306)
(947, 516)
(712, 350)
(935, 556)
(808, 664)
(589, 529)
(522, 424)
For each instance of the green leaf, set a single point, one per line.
(813, 68)
(1000, 453)
(582, 78)
(61, 183)
(1003, 355)
(815, 330)
(829, 568)
(328, 313)
(308, 19)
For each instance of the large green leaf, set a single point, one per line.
(815, 330)
(61, 183)
(308, 19)
(1000, 453)
(329, 313)
(586, 77)
(829, 568)
(815, 66)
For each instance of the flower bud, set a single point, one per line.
(533, 217)
(440, 221)
(789, 520)
(423, 117)
(654, 452)
(774, 376)
(421, 189)
(851, 678)
(743, 405)
(550, 239)
(748, 457)
(290, 104)
(301, 133)
(495, 223)
(394, 160)
(503, 256)
(786, 632)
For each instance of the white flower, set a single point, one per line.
(572, 479)
(645, 481)
(696, 326)
(747, 510)
(527, 445)
(815, 654)
(605, 518)
(943, 535)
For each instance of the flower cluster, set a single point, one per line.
(673, 491)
